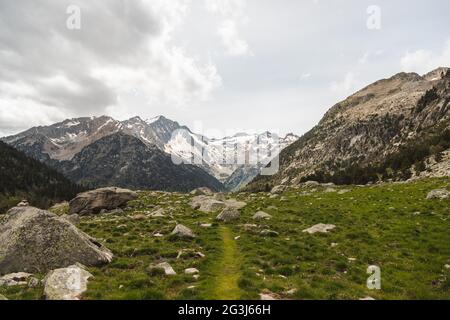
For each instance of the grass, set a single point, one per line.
(227, 269)
(392, 226)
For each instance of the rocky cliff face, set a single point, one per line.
(377, 124)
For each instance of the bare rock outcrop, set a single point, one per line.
(93, 202)
(35, 241)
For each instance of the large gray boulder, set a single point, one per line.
(36, 241)
(66, 283)
(93, 202)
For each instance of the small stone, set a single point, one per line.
(366, 298)
(183, 232)
(191, 271)
(260, 215)
(228, 215)
(438, 194)
(322, 228)
(168, 270)
(206, 225)
(269, 233)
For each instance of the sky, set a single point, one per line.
(217, 66)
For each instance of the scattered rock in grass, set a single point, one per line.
(165, 266)
(447, 266)
(268, 295)
(310, 184)
(196, 276)
(206, 204)
(330, 190)
(249, 227)
(2, 297)
(202, 192)
(343, 191)
(291, 292)
(321, 228)
(269, 233)
(15, 279)
(206, 225)
(278, 189)
(366, 298)
(228, 215)
(66, 283)
(159, 213)
(351, 259)
(139, 217)
(92, 202)
(235, 204)
(158, 235)
(190, 252)
(334, 244)
(37, 240)
(183, 232)
(438, 194)
(260, 215)
(237, 237)
(191, 271)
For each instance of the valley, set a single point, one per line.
(391, 225)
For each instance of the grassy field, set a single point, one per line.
(391, 226)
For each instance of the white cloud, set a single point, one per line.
(233, 15)
(122, 45)
(231, 39)
(345, 86)
(423, 61)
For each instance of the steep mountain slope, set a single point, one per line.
(24, 177)
(123, 160)
(62, 141)
(382, 131)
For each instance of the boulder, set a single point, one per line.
(278, 189)
(183, 232)
(207, 204)
(66, 283)
(438, 194)
(233, 203)
(322, 228)
(311, 184)
(93, 202)
(260, 215)
(202, 192)
(34, 240)
(165, 266)
(228, 215)
(15, 279)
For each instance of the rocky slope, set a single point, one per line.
(123, 160)
(379, 132)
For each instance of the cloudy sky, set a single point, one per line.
(218, 66)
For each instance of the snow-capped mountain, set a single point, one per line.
(219, 157)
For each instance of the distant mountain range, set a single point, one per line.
(394, 129)
(79, 149)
